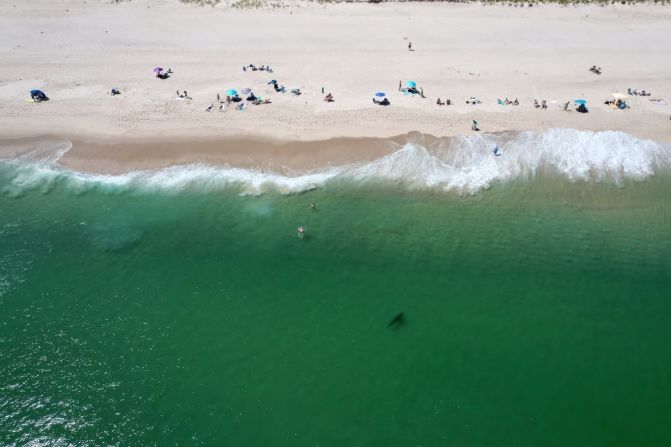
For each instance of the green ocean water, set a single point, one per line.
(537, 314)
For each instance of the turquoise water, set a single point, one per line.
(537, 314)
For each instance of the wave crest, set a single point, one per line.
(463, 164)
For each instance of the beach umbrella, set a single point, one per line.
(273, 82)
(411, 84)
(620, 95)
(158, 69)
(231, 92)
(580, 101)
(380, 94)
(246, 91)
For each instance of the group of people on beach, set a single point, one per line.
(596, 70)
(543, 104)
(162, 74)
(508, 102)
(252, 67)
(184, 95)
(635, 92)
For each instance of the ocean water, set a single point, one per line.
(179, 307)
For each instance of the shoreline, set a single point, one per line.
(414, 154)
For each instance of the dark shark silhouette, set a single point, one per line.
(398, 320)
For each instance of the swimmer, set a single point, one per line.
(313, 206)
(301, 232)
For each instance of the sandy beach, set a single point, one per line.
(77, 51)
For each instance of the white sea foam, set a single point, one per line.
(463, 164)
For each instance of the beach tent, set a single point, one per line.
(411, 84)
(231, 92)
(38, 96)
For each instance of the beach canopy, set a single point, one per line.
(274, 81)
(580, 101)
(246, 91)
(380, 94)
(411, 84)
(38, 96)
(158, 69)
(620, 95)
(231, 92)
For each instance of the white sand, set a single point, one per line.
(77, 51)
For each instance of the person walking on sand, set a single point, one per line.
(399, 85)
(409, 46)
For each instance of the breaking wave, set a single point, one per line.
(464, 164)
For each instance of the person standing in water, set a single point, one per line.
(301, 232)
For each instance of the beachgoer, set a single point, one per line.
(186, 95)
(448, 102)
(516, 102)
(209, 109)
(115, 91)
(421, 92)
(322, 90)
(409, 46)
(544, 105)
(221, 107)
(218, 98)
(474, 126)
(313, 206)
(400, 85)
(301, 232)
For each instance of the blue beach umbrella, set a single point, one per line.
(231, 92)
(380, 94)
(274, 81)
(411, 84)
(580, 101)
